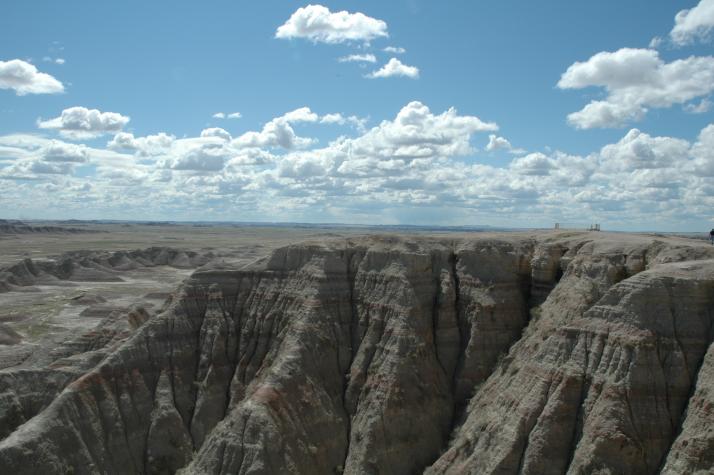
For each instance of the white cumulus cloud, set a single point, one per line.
(533, 164)
(303, 114)
(278, 132)
(695, 23)
(24, 78)
(635, 80)
(415, 163)
(83, 123)
(205, 154)
(640, 151)
(318, 24)
(144, 146)
(500, 143)
(64, 152)
(417, 132)
(216, 132)
(393, 68)
(337, 118)
(703, 152)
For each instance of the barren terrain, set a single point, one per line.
(225, 349)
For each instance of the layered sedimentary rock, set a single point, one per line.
(93, 266)
(543, 353)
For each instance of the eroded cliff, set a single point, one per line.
(542, 353)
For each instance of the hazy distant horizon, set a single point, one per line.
(475, 227)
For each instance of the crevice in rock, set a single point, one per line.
(532, 423)
(692, 389)
(351, 271)
(436, 277)
(578, 423)
(464, 334)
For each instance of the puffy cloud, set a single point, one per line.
(208, 154)
(17, 146)
(535, 164)
(82, 123)
(318, 24)
(198, 160)
(227, 115)
(605, 114)
(216, 132)
(251, 157)
(40, 156)
(394, 67)
(627, 67)
(693, 24)
(417, 132)
(302, 165)
(703, 152)
(394, 50)
(638, 150)
(64, 152)
(412, 140)
(275, 133)
(415, 165)
(501, 143)
(357, 58)
(24, 78)
(303, 114)
(337, 118)
(635, 79)
(144, 146)
(278, 132)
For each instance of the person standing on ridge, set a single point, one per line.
(711, 236)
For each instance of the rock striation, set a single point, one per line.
(93, 266)
(518, 353)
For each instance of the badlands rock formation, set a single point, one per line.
(92, 266)
(518, 353)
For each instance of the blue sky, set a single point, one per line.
(169, 67)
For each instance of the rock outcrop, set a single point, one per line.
(93, 266)
(542, 353)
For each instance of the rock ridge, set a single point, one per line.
(519, 353)
(94, 266)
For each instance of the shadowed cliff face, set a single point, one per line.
(518, 354)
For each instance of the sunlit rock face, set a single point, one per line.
(512, 353)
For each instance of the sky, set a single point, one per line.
(510, 113)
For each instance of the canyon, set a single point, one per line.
(486, 353)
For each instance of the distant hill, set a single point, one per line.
(13, 226)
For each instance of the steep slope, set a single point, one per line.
(601, 393)
(542, 353)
